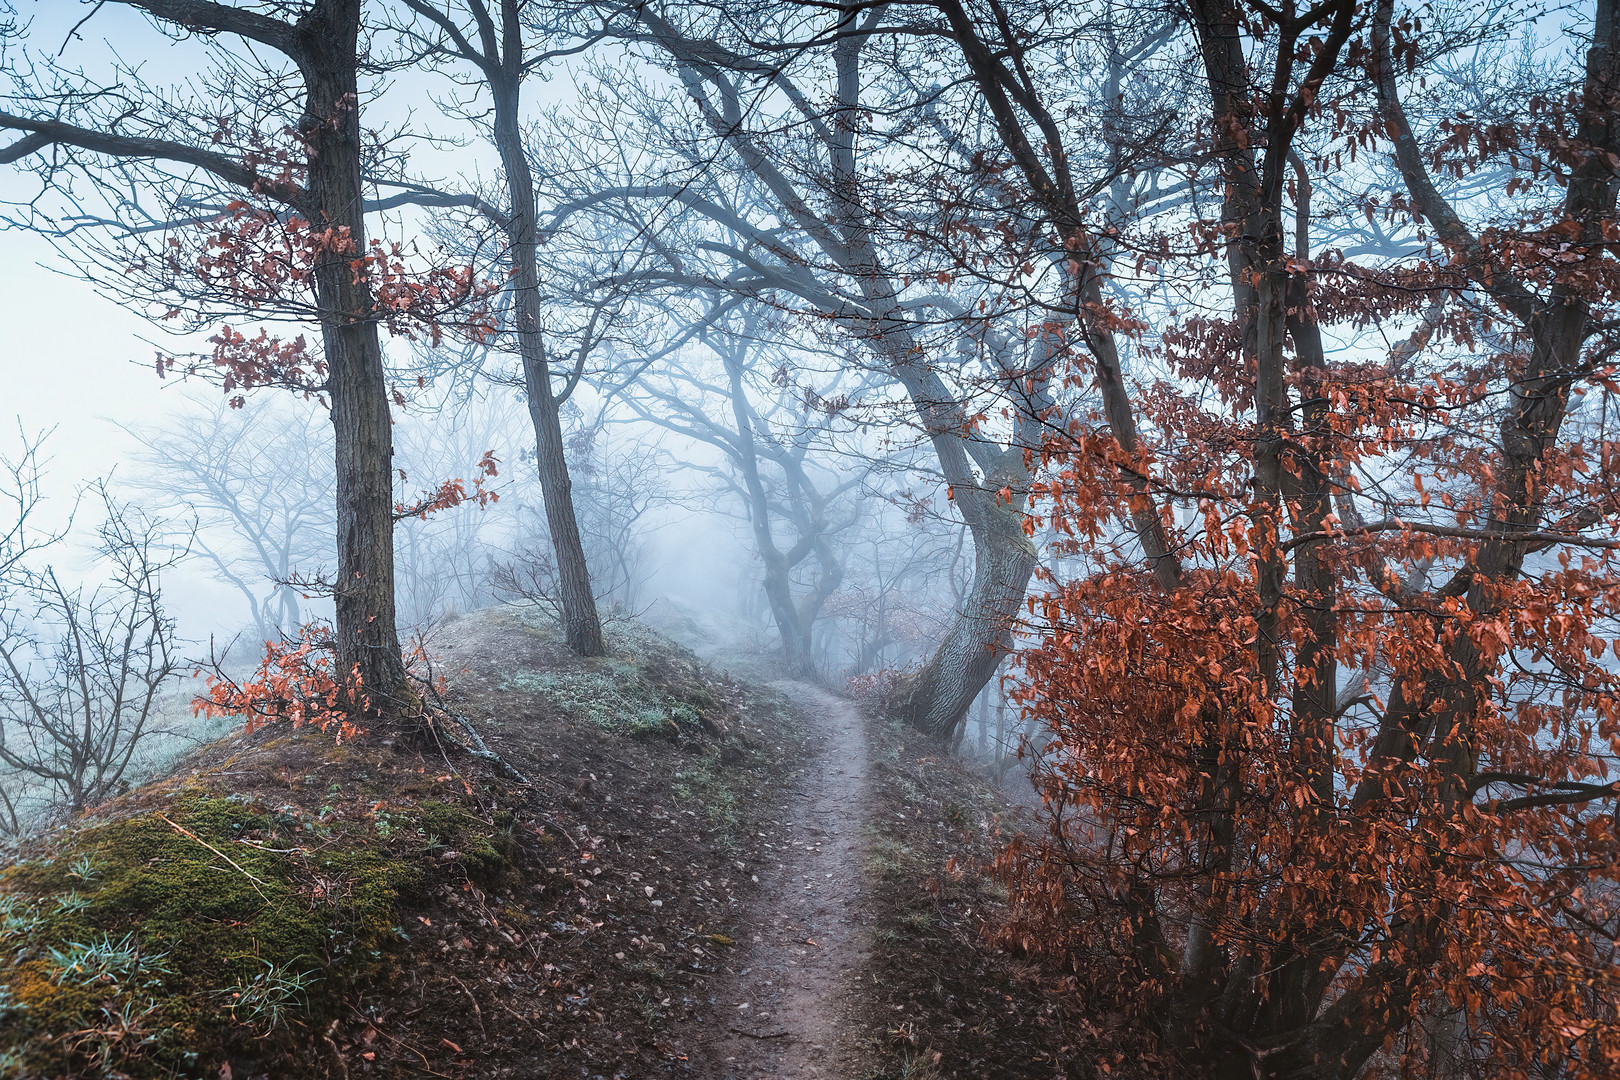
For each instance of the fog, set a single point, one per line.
(766, 353)
(80, 365)
(1199, 410)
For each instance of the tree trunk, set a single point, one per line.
(795, 631)
(582, 627)
(367, 636)
(941, 692)
(939, 695)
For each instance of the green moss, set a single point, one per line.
(716, 789)
(650, 687)
(485, 848)
(889, 861)
(166, 942)
(614, 695)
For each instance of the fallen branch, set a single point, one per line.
(474, 744)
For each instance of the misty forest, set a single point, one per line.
(897, 540)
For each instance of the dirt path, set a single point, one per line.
(782, 1007)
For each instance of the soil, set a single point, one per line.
(786, 1001)
(763, 884)
(945, 996)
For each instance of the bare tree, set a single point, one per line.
(21, 495)
(490, 39)
(258, 163)
(762, 193)
(766, 429)
(623, 493)
(442, 562)
(81, 669)
(620, 494)
(908, 572)
(254, 481)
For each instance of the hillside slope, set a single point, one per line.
(287, 906)
(702, 878)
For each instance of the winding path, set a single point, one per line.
(782, 1009)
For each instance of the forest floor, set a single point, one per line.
(705, 877)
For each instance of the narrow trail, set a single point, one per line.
(782, 1009)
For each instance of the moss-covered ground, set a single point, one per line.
(203, 929)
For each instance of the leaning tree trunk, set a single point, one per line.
(581, 624)
(936, 698)
(367, 636)
(939, 695)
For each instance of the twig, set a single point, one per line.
(477, 1012)
(476, 747)
(475, 744)
(238, 867)
(561, 831)
(337, 1055)
(767, 1035)
(427, 1066)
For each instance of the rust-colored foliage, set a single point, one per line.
(1183, 800)
(453, 493)
(1332, 782)
(294, 684)
(264, 261)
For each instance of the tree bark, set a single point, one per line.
(938, 696)
(941, 692)
(367, 636)
(794, 631)
(324, 43)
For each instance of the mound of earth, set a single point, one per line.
(660, 871)
(944, 996)
(284, 905)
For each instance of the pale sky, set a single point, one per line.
(70, 359)
(76, 362)
(80, 364)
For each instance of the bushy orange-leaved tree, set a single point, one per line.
(1331, 787)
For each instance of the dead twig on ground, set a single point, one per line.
(183, 831)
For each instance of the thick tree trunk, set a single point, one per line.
(367, 637)
(779, 592)
(939, 695)
(581, 624)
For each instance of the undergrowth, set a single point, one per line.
(271, 914)
(648, 688)
(933, 826)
